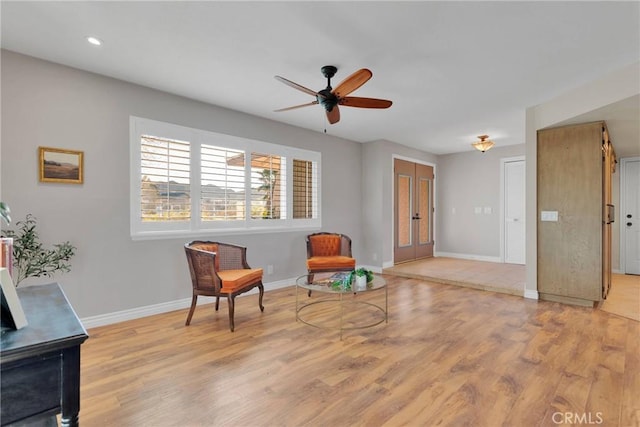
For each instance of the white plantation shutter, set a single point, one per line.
(268, 186)
(165, 184)
(221, 184)
(305, 187)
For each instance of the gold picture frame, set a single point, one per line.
(58, 165)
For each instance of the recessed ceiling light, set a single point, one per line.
(94, 40)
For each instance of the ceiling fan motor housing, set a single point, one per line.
(327, 99)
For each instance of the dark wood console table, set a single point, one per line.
(40, 363)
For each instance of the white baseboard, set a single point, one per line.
(165, 307)
(468, 256)
(531, 294)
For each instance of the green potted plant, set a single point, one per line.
(30, 258)
(361, 277)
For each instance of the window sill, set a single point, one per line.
(182, 234)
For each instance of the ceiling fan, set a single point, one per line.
(330, 98)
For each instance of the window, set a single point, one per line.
(188, 182)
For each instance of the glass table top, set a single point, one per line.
(337, 282)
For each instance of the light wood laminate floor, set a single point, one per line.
(623, 298)
(488, 276)
(449, 356)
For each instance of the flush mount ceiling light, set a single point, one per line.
(484, 144)
(94, 40)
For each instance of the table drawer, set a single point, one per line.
(29, 387)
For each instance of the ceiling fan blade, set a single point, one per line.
(296, 86)
(296, 106)
(353, 82)
(334, 115)
(354, 101)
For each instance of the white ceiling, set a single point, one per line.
(454, 70)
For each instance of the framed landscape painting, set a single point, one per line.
(58, 165)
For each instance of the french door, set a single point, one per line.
(413, 211)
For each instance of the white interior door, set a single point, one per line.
(630, 217)
(514, 214)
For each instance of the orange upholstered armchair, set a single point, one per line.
(329, 252)
(221, 270)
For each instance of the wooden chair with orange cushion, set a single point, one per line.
(329, 252)
(221, 270)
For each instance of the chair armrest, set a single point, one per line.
(202, 269)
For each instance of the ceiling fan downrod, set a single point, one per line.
(325, 97)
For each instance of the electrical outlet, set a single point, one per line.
(269, 269)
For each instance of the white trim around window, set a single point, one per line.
(187, 182)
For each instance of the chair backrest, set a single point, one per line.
(328, 244)
(228, 256)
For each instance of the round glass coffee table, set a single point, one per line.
(337, 294)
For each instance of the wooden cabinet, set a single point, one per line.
(40, 363)
(574, 167)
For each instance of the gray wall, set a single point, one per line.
(45, 104)
(470, 180)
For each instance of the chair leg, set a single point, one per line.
(231, 310)
(309, 280)
(192, 309)
(261, 289)
(217, 303)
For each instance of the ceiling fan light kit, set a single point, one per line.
(484, 144)
(330, 98)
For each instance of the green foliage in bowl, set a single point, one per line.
(362, 272)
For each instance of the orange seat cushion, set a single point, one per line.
(329, 262)
(233, 280)
(325, 245)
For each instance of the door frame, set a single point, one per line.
(393, 198)
(503, 220)
(622, 235)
